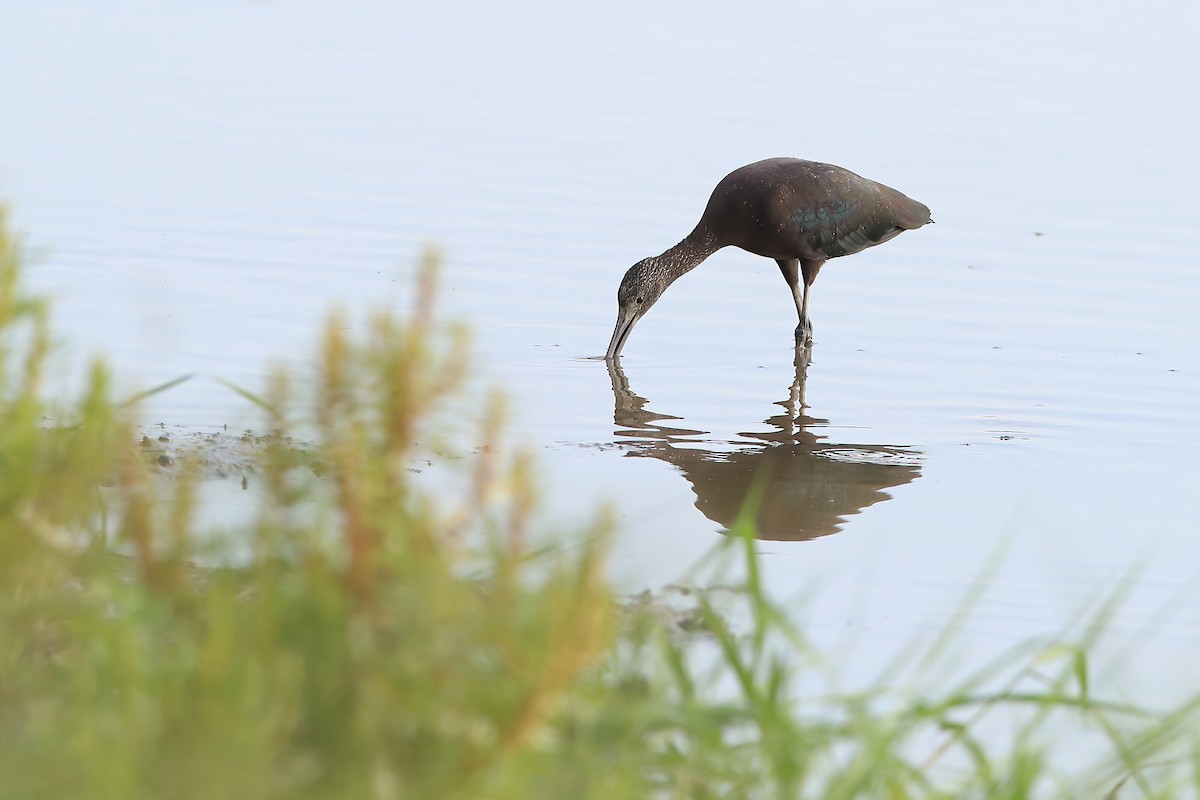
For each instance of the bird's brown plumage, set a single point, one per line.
(800, 213)
(790, 208)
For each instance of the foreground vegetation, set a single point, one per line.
(377, 640)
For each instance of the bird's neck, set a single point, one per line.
(687, 255)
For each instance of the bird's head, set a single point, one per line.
(641, 287)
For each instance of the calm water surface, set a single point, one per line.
(202, 183)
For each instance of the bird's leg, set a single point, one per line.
(791, 273)
(804, 331)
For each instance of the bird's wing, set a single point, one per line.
(862, 216)
(843, 227)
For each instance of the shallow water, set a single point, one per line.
(201, 184)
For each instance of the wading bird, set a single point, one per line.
(800, 213)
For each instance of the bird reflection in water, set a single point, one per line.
(811, 485)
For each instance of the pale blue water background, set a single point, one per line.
(203, 181)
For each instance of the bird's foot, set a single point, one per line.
(804, 332)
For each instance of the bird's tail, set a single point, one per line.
(910, 214)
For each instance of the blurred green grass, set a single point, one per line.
(382, 641)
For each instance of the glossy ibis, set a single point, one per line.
(800, 213)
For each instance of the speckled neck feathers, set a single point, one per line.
(685, 256)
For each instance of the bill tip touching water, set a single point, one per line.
(799, 213)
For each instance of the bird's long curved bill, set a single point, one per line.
(625, 322)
